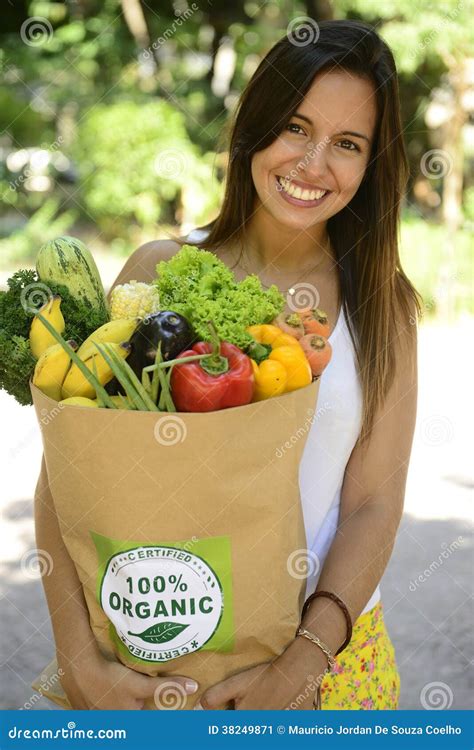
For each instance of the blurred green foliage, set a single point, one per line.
(45, 224)
(423, 255)
(134, 159)
(113, 115)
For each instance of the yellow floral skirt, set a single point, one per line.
(366, 675)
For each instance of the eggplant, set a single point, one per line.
(167, 326)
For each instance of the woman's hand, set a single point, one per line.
(105, 685)
(288, 682)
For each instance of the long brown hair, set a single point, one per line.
(364, 234)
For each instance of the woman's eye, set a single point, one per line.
(297, 128)
(293, 127)
(352, 146)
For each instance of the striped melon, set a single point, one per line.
(66, 260)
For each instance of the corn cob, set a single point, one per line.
(134, 300)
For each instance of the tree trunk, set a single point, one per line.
(138, 26)
(320, 10)
(452, 193)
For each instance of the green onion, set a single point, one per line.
(99, 389)
(160, 376)
(134, 383)
(134, 380)
(146, 382)
(94, 367)
(126, 404)
(155, 381)
(166, 390)
(181, 360)
(122, 375)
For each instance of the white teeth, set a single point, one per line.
(297, 192)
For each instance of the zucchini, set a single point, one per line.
(66, 260)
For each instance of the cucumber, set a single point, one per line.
(66, 260)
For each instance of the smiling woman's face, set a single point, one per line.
(318, 150)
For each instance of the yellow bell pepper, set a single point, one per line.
(270, 379)
(272, 336)
(285, 366)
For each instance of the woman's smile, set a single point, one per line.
(300, 194)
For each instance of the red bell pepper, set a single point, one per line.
(208, 384)
(220, 380)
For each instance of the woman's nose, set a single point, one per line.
(313, 164)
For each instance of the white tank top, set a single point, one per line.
(332, 435)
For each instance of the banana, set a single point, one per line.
(121, 401)
(40, 338)
(76, 384)
(51, 369)
(79, 401)
(115, 331)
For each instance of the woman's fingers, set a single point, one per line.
(256, 688)
(167, 692)
(218, 696)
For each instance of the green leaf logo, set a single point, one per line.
(161, 633)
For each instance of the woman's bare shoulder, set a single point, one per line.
(141, 265)
(150, 253)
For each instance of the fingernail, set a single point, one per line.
(191, 686)
(198, 707)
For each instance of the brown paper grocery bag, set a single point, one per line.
(182, 528)
(48, 684)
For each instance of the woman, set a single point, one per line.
(316, 174)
